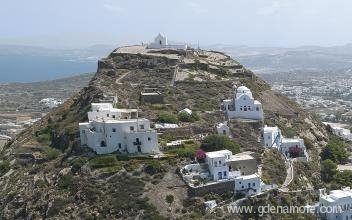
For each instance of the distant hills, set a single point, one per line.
(305, 58)
(29, 64)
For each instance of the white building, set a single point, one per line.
(338, 201)
(161, 42)
(271, 137)
(250, 183)
(339, 130)
(219, 163)
(223, 129)
(51, 102)
(216, 161)
(243, 105)
(117, 130)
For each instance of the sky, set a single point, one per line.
(264, 23)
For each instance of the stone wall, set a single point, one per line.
(220, 187)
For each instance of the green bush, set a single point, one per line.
(167, 118)
(219, 142)
(4, 167)
(77, 163)
(169, 198)
(50, 153)
(103, 161)
(344, 178)
(153, 167)
(186, 150)
(335, 150)
(185, 117)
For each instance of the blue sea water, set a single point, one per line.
(26, 68)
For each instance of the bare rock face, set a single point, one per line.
(52, 189)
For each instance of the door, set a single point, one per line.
(219, 175)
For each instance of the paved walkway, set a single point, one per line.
(289, 176)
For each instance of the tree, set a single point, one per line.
(328, 170)
(219, 142)
(335, 151)
(344, 178)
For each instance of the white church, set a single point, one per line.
(272, 137)
(243, 105)
(161, 42)
(117, 130)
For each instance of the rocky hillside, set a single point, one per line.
(45, 173)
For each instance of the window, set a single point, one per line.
(120, 145)
(107, 115)
(141, 126)
(257, 108)
(249, 185)
(225, 173)
(253, 184)
(245, 108)
(240, 182)
(241, 108)
(219, 162)
(114, 116)
(216, 163)
(149, 138)
(114, 130)
(242, 187)
(131, 128)
(84, 131)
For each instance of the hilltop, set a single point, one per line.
(48, 174)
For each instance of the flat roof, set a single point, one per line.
(270, 129)
(248, 176)
(241, 157)
(216, 154)
(291, 140)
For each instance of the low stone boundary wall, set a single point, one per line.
(219, 187)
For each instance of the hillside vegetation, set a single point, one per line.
(50, 175)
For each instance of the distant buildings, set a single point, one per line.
(271, 137)
(161, 42)
(117, 130)
(243, 105)
(51, 102)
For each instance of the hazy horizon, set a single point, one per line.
(255, 23)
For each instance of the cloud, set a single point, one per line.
(113, 8)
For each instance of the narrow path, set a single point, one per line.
(289, 177)
(122, 76)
